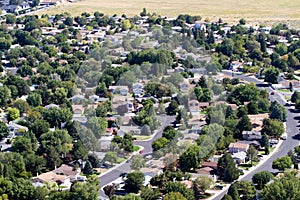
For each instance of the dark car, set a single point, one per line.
(296, 137)
(272, 93)
(123, 175)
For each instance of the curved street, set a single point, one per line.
(291, 130)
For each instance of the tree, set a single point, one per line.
(244, 93)
(227, 169)
(88, 169)
(169, 132)
(145, 130)
(56, 116)
(295, 97)
(34, 99)
(278, 112)
(271, 75)
(282, 163)
(137, 162)
(4, 44)
(246, 190)
(5, 96)
(23, 145)
(242, 21)
(109, 190)
(252, 108)
(21, 105)
(281, 49)
(174, 196)
(150, 194)
(97, 125)
(272, 127)
(160, 143)
(134, 181)
(264, 140)
(181, 188)
(143, 13)
(244, 124)
(13, 114)
(233, 192)
(125, 24)
(39, 127)
(252, 154)
(68, 21)
(190, 159)
(172, 108)
(4, 130)
(262, 178)
(111, 157)
(200, 185)
(87, 190)
(10, 19)
(92, 158)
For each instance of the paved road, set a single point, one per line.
(114, 174)
(291, 124)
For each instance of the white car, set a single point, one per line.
(283, 137)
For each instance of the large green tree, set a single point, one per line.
(271, 75)
(227, 169)
(134, 181)
(282, 163)
(4, 130)
(262, 178)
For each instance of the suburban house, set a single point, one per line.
(122, 90)
(135, 130)
(77, 109)
(184, 86)
(77, 99)
(62, 181)
(68, 171)
(257, 121)
(251, 135)
(237, 147)
(16, 128)
(239, 157)
(105, 142)
(193, 106)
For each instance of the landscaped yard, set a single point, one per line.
(136, 148)
(229, 10)
(119, 160)
(142, 137)
(283, 90)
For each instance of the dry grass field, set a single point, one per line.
(229, 10)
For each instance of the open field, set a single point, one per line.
(229, 10)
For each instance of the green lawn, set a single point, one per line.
(136, 148)
(119, 160)
(142, 137)
(283, 90)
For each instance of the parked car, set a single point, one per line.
(123, 175)
(272, 93)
